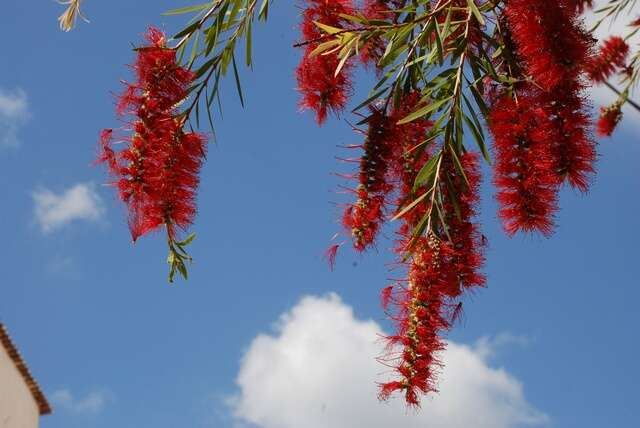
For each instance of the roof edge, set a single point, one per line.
(43, 405)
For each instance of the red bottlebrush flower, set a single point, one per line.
(609, 119)
(612, 57)
(381, 165)
(365, 216)
(321, 90)
(465, 237)
(524, 171)
(554, 49)
(573, 146)
(439, 271)
(549, 38)
(157, 171)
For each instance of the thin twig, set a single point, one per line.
(628, 100)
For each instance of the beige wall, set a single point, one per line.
(18, 409)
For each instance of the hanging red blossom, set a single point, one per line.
(321, 89)
(612, 57)
(555, 50)
(609, 119)
(157, 171)
(549, 38)
(381, 168)
(524, 170)
(439, 271)
(364, 217)
(570, 131)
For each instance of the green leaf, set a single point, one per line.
(475, 11)
(458, 165)
(427, 170)
(189, 9)
(424, 111)
(248, 43)
(327, 28)
(188, 240)
(410, 206)
(237, 78)
(368, 101)
(263, 14)
(187, 30)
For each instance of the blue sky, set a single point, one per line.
(552, 341)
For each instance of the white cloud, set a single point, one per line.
(488, 346)
(80, 202)
(14, 113)
(319, 371)
(92, 403)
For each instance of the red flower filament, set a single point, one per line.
(612, 57)
(157, 171)
(321, 89)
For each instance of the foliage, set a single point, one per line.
(450, 73)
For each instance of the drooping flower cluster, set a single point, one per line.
(381, 168)
(612, 57)
(364, 217)
(442, 265)
(524, 169)
(609, 118)
(541, 128)
(537, 114)
(322, 90)
(550, 40)
(157, 170)
(428, 302)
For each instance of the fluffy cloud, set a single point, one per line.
(80, 202)
(92, 403)
(14, 113)
(318, 371)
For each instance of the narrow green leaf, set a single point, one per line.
(427, 170)
(475, 11)
(424, 111)
(410, 206)
(189, 9)
(237, 78)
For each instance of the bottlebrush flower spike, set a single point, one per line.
(570, 131)
(549, 38)
(321, 89)
(524, 171)
(438, 273)
(555, 49)
(609, 119)
(612, 57)
(364, 217)
(157, 171)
